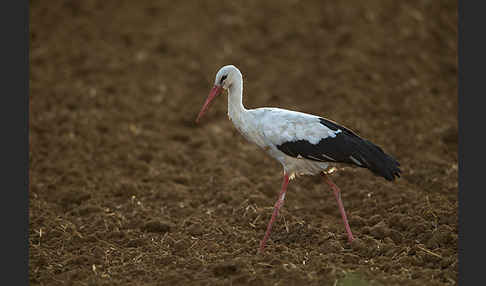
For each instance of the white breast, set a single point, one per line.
(270, 127)
(247, 125)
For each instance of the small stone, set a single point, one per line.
(225, 269)
(158, 226)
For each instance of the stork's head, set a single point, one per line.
(224, 79)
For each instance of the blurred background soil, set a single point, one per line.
(125, 189)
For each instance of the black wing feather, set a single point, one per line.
(341, 148)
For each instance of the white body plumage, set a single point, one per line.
(270, 127)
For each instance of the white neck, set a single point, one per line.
(235, 99)
(242, 118)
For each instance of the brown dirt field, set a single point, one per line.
(125, 189)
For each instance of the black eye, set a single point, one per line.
(223, 78)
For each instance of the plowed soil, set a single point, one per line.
(126, 189)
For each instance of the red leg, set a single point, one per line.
(278, 205)
(337, 194)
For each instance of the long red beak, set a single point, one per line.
(214, 92)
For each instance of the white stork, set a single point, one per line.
(304, 144)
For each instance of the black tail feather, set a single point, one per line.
(376, 160)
